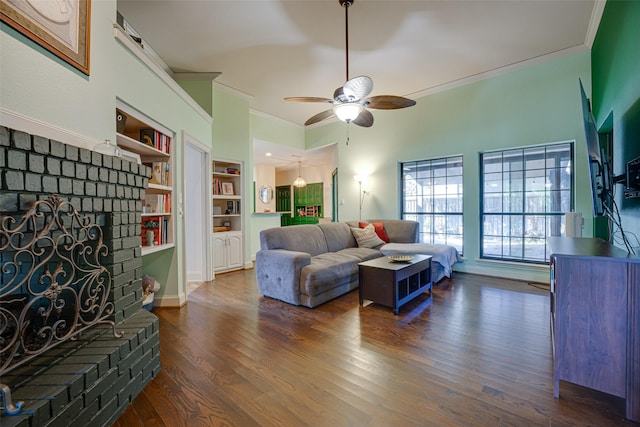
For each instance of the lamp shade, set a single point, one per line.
(347, 112)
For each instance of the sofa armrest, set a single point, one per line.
(278, 273)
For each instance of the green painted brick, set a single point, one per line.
(101, 386)
(67, 414)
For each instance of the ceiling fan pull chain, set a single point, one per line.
(347, 134)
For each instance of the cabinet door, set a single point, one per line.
(591, 323)
(219, 252)
(283, 198)
(316, 194)
(234, 251)
(300, 195)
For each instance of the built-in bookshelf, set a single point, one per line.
(227, 214)
(147, 142)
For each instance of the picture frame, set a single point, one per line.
(63, 31)
(227, 188)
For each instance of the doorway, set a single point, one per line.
(197, 212)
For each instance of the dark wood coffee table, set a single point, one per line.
(393, 284)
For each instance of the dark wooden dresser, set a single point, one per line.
(595, 318)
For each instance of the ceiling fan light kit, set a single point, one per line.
(347, 112)
(349, 100)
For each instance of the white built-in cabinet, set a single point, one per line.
(227, 251)
(227, 202)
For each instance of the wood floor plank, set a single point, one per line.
(475, 353)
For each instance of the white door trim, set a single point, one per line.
(206, 219)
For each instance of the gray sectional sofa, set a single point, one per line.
(311, 264)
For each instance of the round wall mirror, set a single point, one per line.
(265, 194)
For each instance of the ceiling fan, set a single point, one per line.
(349, 100)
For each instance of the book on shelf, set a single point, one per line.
(155, 139)
(157, 228)
(222, 188)
(160, 173)
(233, 207)
(157, 203)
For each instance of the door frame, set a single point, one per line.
(206, 219)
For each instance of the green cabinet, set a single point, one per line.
(283, 198)
(311, 194)
(309, 200)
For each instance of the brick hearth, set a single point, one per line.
(89, 381)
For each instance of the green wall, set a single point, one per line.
(615, 64)
(535, 105)
(40, 88)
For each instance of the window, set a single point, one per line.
(524, 195)
(432, 195)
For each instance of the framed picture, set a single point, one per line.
(61, 27)
(227, 188)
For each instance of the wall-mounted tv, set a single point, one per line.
(600, 171)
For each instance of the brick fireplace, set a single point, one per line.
(92, 379)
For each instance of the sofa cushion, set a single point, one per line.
(338, 235)
(398, 230)
(379, 227)
(327, 271)
(363, 254)
(366, 237)
(302, 238)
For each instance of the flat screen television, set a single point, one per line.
(600, 172)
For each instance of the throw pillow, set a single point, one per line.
(379, 228)
(366, 237)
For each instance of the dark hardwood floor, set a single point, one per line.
(476, 354)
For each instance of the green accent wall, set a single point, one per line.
(615, 65)
(201, 91)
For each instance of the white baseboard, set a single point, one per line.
(526, 275)
(170, 301)
(194, 276)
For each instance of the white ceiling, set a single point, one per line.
(271, 49)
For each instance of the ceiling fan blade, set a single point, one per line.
(357, 88)
(319, 117)
(364, 119)
(308, 99)
(389, 102)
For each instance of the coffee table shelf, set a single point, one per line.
(394, 284)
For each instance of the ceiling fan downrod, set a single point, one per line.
(346, 4)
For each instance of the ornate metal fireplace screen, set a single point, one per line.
(52, 283)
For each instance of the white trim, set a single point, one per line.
(196, 76)
(499, 71)
(248, 265)
(140, 53)
(274, 118)
(33, 126)
(594, 22)
(194, 278)
(492, 270)
(188, 139)
(170, 300)
(514, 264)
(232, 91)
